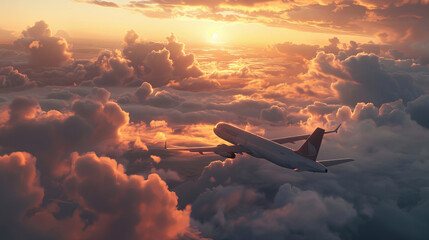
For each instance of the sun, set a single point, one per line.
(215, 36)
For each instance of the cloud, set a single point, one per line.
(102, 3)
(160, 67)
(43, 49)
(370, 83)
(114, 70)
(96, 214)
(397, 23)
(295, 211)
(227, 202)
(378, 95)
(143, 92)
(301, 50)
(273, 114)
(20, 189)
(418, 110)
(158, 63)
(195, 84)
(184, 64)
(51, 136)
(122, 198)
(219, 210)
(12, 78)
(364, 77)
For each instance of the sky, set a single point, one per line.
(90, 91)
(90, 21)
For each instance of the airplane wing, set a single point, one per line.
(216, 149)
(332, 162)
(299, 138)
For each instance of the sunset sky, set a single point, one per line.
(90, 20)
(90, 91)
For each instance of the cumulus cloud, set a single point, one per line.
(51, 136)
(418, 110)
(159, 64)
(12, 78)
(273, 114)
(43, 49)
(122, 198)
(114, 70)
(143, 92)
(20, 189)
(364, 77)
(184, 64)
(129, 207)
(369, 82)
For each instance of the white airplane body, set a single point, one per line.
(303, 159)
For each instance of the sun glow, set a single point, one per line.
(215, 35)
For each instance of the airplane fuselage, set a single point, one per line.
(261, 147)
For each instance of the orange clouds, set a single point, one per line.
(124, 198)
(102, 172)
(20, 186)
(129, 207)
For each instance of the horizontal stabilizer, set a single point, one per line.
(332, 162)
(300, 137)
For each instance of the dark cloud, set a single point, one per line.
(100, 94)
(20, 189)
(160, 66)
(22, 108)
(370, 83)
(143, 92)
(164, 99)
(228, 202)
(195, 84)
(365, 78)
(273, 114)
(12, 78)
(114, 70)
(418, 110)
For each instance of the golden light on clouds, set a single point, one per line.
(91, 21)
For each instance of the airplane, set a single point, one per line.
(303, 159)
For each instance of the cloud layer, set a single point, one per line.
(81, 141)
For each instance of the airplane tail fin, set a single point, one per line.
(311, 147)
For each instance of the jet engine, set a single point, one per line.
(226, 154)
